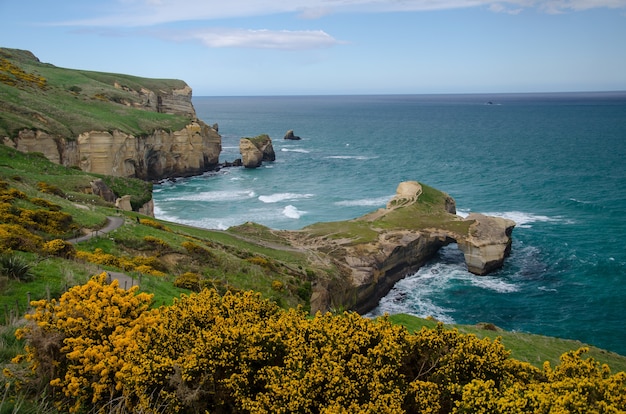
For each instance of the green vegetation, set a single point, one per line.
(100, 348)
(429, 212)
(220, 347)
(260, 140)
(68, 102)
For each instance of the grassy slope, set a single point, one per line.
(232, 249)
(67, 102)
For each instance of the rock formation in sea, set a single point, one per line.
(290, 135)
(373, 252)
(256, 150)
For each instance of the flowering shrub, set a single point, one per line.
(42, 202)
(188, 280)
(15, 237)
(50, 189)
(59, 248)
(146, 265)
(154, 224)
(240, 353)
(72, 341)
(156, 243)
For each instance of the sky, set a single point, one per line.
(326, 47)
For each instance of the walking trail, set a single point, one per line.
(113, 223)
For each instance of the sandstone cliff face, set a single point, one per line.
(190, 151)
(176, 101)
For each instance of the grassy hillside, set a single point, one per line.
(167, 258)
(67, 102)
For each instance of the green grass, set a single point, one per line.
(76, 101)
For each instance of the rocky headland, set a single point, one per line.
(371, 253)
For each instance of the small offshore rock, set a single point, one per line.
(290, 135)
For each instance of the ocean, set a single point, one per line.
(553, 163)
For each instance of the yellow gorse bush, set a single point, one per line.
(72, 340)
(239, 353)
(147, 265)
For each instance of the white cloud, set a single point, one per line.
(152, 12)
(262, 39)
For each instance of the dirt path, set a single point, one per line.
(113, 223)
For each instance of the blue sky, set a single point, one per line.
(295, 47)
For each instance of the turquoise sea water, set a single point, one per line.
(554, 163)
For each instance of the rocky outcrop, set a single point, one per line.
(175, 101)
(160, 154)
(290, 135)
(256, 150)
(487, 244)
(99, 188)
(375, 251)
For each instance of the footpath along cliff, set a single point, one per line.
(103, 123)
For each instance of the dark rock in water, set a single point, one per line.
(291, 136)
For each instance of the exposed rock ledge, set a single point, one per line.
(160, 154)
(375, 251)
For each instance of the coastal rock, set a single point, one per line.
(488, 243)
(99, 188)
(256, 150)
(370, 254)
(290, 135)
(123, 203)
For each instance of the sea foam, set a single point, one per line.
(378, 201)
(278, 197)
(292, 212)
(351, 157)
(212, 196)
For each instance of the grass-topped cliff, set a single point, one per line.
(67, 102)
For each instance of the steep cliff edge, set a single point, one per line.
(103, 123)
(371, 253)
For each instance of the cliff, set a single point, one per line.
(103, 123)
(371, 253)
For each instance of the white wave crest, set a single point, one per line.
(295, 150)
(379, 201)
(522, 219)
(419, 293)
(350, 157)
(493, 283)
(292, 212)
(215, 196)
(278, 197)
